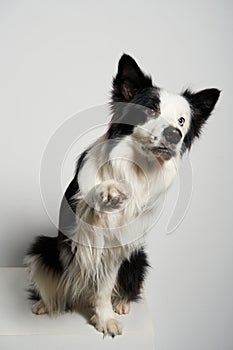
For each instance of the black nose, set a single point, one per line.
(172, 135)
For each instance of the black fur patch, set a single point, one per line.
(131, 276)
(129, 80)
(46, 249)
(132, 92)
(68, 204)
(33, 294)
(202, 104)
(73, 187)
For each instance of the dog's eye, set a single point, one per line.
(150, 112)
(181, 121)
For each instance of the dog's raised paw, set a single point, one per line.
(112, 194)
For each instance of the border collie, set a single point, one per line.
(98, 258)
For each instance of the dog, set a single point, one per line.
(98, 258)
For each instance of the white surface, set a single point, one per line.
(76, 342)
(18, 321)
(58, 58)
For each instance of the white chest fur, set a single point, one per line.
(148, 180)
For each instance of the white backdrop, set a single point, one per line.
(58, 58)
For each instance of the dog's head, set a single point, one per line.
(162, 124)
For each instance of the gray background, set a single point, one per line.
(58, 58)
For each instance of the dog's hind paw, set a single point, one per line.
(39, 308)
(121, 307)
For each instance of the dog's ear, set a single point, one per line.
(129, 80)
(202, 104)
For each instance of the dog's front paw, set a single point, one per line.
(112, 194)
(107, 327)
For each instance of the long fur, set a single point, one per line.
(98, 258)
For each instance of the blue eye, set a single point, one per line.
(181, 121)
(150, 112)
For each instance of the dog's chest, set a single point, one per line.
(149, 185)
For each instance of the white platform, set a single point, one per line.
(20, 329)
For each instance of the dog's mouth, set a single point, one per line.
(161, 151)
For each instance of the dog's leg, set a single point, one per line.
(97, 209)
(103, 318)
(108, 197)
(45, 271)
(130, 281)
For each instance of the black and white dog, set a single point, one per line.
(98, 257)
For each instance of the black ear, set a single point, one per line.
(129, 80)
(202, 104)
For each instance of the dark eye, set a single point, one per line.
(181, 121)
(150, 112)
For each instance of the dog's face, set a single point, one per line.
(163, 125)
